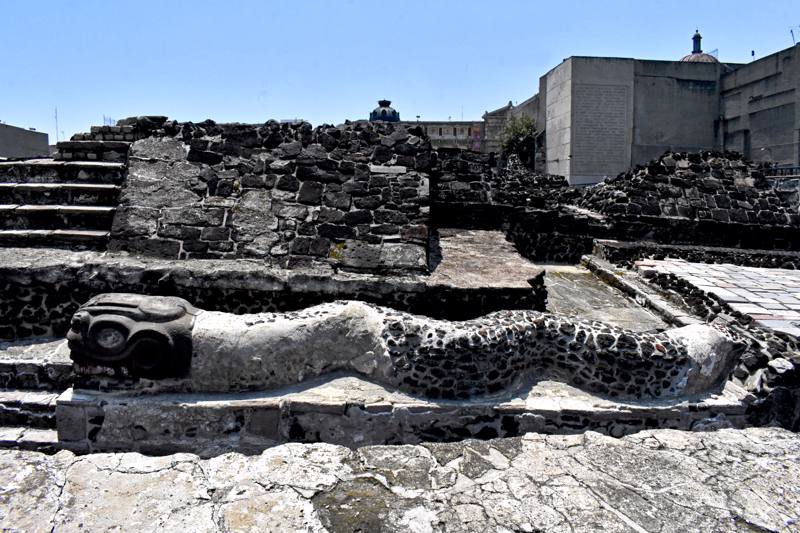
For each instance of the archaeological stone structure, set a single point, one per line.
(367, 327)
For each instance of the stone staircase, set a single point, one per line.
(67, 201)
(32, 375)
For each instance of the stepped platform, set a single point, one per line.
(54, 171)
(350, 411)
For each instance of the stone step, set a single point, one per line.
(25, 438)
(14, 216)
(35, 363)
(93, 150)
(53, 171)
(102, 194)
(33, 409)
(77, 239)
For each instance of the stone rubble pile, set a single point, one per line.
(701, 186)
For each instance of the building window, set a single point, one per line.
(454, 133)
(440, 132)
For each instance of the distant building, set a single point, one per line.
(384, 112)
(598, 116)
(18, 142)
(467, 135)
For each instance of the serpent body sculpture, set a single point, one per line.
(437, 359)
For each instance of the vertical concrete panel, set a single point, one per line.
(601, 118)
(558, 118)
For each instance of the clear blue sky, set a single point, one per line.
(328, 60)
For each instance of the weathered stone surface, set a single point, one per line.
(432, 358)
(662, 480)
(181, 170)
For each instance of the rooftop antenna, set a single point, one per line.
(793, 40)
(714, 52)
(56, 124)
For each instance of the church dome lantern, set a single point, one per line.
(384, 112)
(697, 55)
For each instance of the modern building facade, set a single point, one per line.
(20, 142)
(598, 116)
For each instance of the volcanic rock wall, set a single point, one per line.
(697, 186)
(354, 196)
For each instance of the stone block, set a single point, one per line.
(327, 214)
(339, 200)
(134, 221)
(193, 216)
(282, 166)
(360, 255)
(215, 234)
(253, 181)
(387, 216)
(335, 231)
(359, 216)
(179, 232)
(368, 202)
(287, 182)
(310, 192)
(403, 256)
(265, 422)
(71, 422)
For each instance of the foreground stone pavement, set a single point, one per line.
(661, 480)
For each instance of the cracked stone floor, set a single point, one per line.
(574, 290)
(660, 480)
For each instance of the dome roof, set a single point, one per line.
(384, 112)
(699, 57)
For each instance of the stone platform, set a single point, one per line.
(771, 296)
(577, 291)
(42, 288)
(348, 410)
(662, 480)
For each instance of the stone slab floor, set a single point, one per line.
(574, 290)
(770, 295)
(660, 480)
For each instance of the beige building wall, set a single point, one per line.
(467, 135)
(760, 107)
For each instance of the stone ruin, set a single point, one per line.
(212, 288)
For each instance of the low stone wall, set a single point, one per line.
(354, 196)
(627, 253)
(42, 289)
(775, 385)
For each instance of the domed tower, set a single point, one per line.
(697, 55)
(384, 112)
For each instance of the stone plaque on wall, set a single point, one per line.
(600, 122)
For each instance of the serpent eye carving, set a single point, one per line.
(134, 335)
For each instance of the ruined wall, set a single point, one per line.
(354, 196)
(41, 289)
(695, 186)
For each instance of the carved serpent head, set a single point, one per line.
(133, 334)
